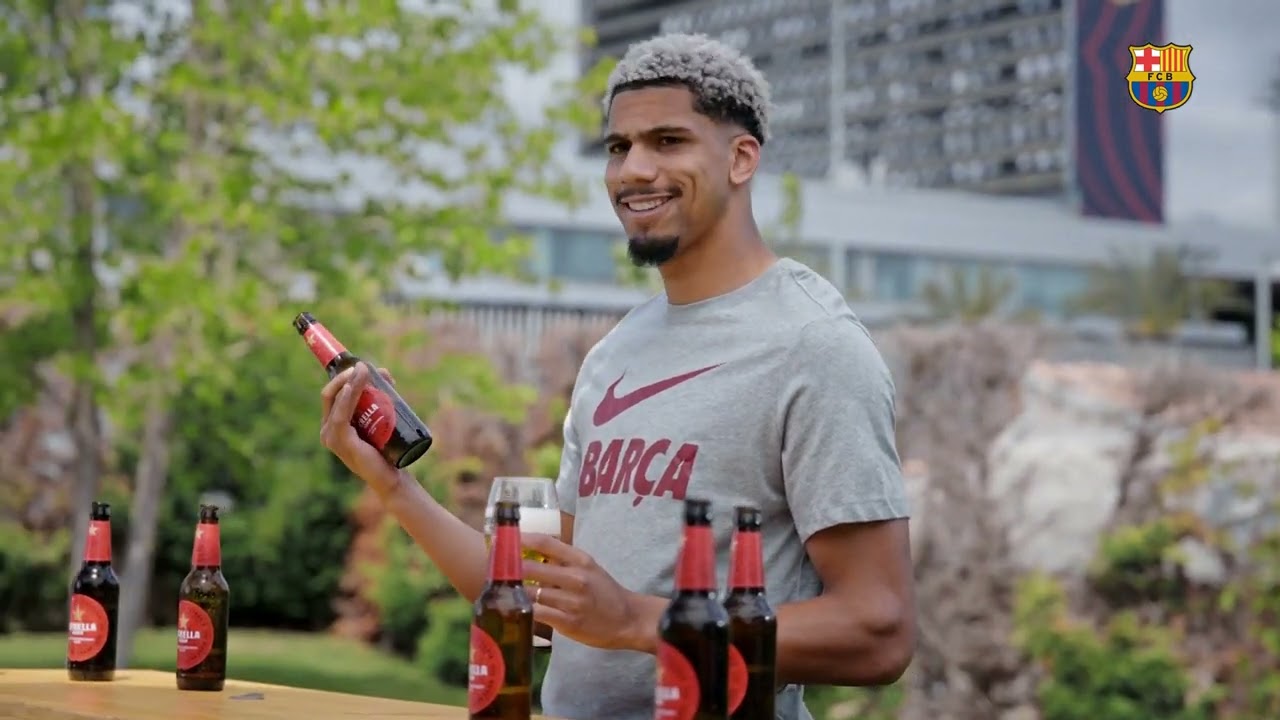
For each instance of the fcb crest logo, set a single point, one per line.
(1160, 76)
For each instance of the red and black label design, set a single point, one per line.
(195, 635)
(87, 629)
(486, 670)
(375, 417)
(677, 694)
(737, 679)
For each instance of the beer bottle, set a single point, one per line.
(753, 626)
(693, 647)
(500, 669)
(382, 418)
(203, 611)
(95, 602)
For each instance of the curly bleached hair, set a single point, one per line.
(726, 86)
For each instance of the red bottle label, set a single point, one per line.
(746, 565)
(375, 417)
(97, 544)
(195, 634)
(322, 343)
(737, 679)
(676, 695)
(207, 549)
(87, 629)
(696, 569)
(505, 562)
(486, 670)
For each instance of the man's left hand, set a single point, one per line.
(575, 596)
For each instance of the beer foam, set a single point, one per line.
(545, 521)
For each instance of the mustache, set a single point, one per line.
(625, 195)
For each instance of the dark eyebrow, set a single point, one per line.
(651, 132)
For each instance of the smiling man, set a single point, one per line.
(747, 381)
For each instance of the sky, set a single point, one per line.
(1222, 147)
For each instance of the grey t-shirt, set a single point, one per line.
(772, 395)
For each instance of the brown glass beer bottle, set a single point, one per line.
(753, 626)
(382, 418)
(693, 642)
(95, 602)
(500, 669)
(204, 604)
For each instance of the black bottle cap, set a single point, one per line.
(506, 512)
(697, 511)
(746, 517)
(209, 513)
(303, 321)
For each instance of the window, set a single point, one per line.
(1050, 288)
(582, 255)
(895, 276)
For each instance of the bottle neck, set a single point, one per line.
(746, 563)
(505, 566)
(206, 551)
(696, 567)
(323, 344)
(97, 543)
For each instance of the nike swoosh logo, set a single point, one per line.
(611, 405)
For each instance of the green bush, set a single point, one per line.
(1135, 564)
(34, 581)
(445, 648)
(403, 586)
(1124, 670)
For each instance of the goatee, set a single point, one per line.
(651, 251)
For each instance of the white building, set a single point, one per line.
(881, 246)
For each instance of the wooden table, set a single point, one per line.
(152, 695)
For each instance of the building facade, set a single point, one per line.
(917, 93)
(1020, 97)
(883, 248)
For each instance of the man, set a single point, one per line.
(749, 380)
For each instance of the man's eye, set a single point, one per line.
(669, 140)
(616, 149)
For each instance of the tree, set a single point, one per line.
(58, 123)
(204, 145)
(1153, 293)
(968, 296)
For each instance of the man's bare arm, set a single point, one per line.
(860, 631)
(454, 546)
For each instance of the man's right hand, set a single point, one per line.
(338, 400)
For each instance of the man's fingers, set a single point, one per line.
(554, 597)
(331, 389)
(551, 574)
(558, 551)
(344, 405)
(557, 620)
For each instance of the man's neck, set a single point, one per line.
(718, 265)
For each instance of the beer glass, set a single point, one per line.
(539, 513)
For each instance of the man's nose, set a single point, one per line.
(638, 167)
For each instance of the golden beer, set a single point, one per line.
(543, 521)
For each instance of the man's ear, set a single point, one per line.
(744, 158)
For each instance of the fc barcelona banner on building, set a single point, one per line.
(1127, 77)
